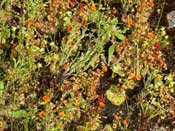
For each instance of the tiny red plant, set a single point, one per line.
(130, 22)
(156, 45)
(151, 4)
(114, 10)
(150, 35)
(104, 69)
(41, 114)
(82, 8)
(45, 98)
(101, 101)
(131, 75)
(138, 77)
(92, 7)
(61, 114)
(72, 43)
(124, 122)
(69, 27)
(29, 21)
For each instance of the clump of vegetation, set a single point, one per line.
(85, 66)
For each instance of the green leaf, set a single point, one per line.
(116, 95)
(1, 52)
(119, 35)
(154, 113)
(1, 87)
(5, 33)
(19, 113)
(110, 53)
(114, 21)
(116, 68)
(93, 62)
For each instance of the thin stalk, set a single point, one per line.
(160, 15)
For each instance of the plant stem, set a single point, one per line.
(160, 15)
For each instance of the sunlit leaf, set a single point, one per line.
(1, 87)
(19, 113)
(111, 52)
(115, 95)
(116, 68)
(119, 35)
(114, 21)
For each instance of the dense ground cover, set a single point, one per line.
(84, 65)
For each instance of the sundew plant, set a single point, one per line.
(87, 65)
